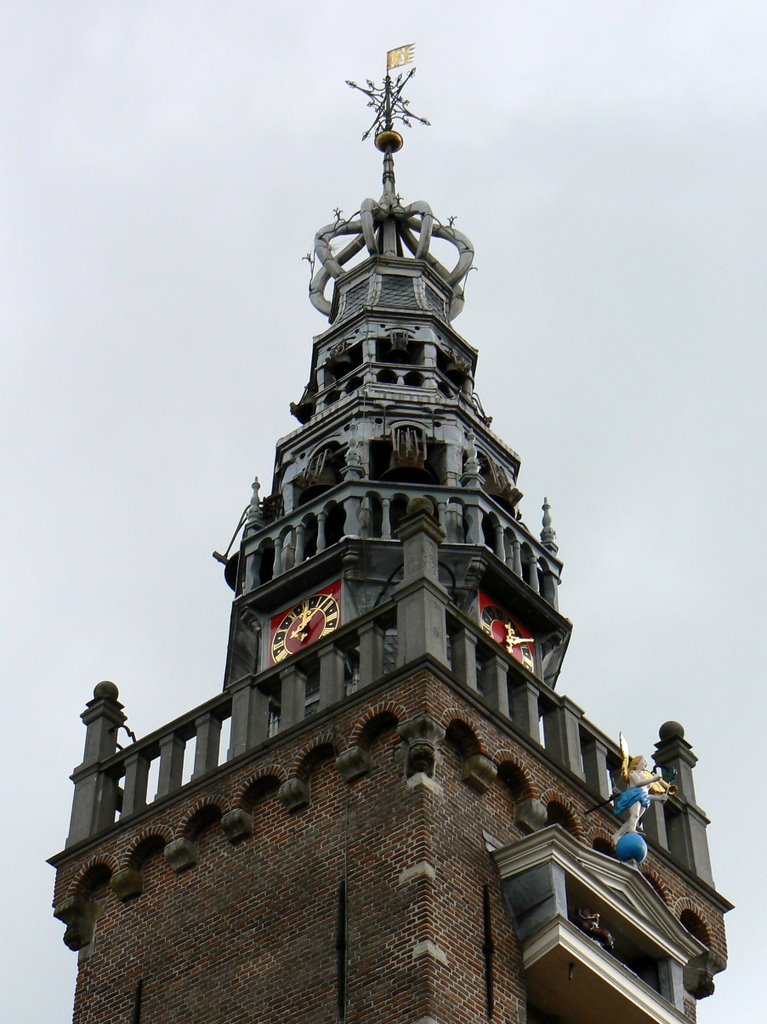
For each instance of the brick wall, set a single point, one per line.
(250, 933)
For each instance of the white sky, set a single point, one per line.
(164, 168)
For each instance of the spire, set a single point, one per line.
(388, 102)
(388, 228)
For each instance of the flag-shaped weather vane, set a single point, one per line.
(387, 101)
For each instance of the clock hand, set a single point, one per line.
(513, 640)
(306, 618)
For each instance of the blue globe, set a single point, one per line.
(631, 847)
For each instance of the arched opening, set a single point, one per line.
(322, 472)
(266, 563)
(398, 347)
(488, 532)
(463, 738)
(343, 359)
(375, 508)
(695, 926)
(515, 780)
(558, 814)
(397, 510)
(408, 457)
(334, 524)
(499, 481)
(602, 845)
(310, 536)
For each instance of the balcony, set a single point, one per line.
(547, 878)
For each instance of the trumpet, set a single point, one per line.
(662, 786)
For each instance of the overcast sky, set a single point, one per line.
(164, 168)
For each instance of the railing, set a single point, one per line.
(373, 509)
(110, 785)
(251, 712)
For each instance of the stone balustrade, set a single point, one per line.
(418, 621)
(373, 509)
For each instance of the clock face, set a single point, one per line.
(515, 639)
(305, 623)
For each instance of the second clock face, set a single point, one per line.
(305, 623)
(515, 639)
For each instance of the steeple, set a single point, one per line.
(390, 413)
(323, 828)
(388, 228)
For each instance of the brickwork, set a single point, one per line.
(246, 928)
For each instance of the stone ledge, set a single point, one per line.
(479, 772)
(428, 948)
(127, 883)
(531, 814)
(420, 870)
(182, 854)
(294, 794)
(421, 779)
(237, 825)
(353, 763)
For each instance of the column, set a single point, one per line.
(250, 717)
(293, 698)
(464, 649)
(136, 779)
(208, 729)
(386, 518)
(562, 735)
(421, 599)
(495, 684)
(525, 710)
(331, 677)
(371, 639)
(171, 764)
(300, 532)
(594, 753)
(95, 797)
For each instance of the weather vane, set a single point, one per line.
(388, 102)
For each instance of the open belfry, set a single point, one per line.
(390, 814)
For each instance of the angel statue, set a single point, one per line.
(642, 787)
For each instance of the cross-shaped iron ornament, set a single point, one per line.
(388, 103)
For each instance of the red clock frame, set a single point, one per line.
(298, 627)
(507, 631)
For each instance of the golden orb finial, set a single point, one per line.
(389, 139)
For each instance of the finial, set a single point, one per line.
(548, 534)
(253, 514)
(388, 102)
(105, 690)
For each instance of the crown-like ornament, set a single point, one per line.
(388, 227)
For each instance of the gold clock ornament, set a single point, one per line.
(515, 638)
(308, 621)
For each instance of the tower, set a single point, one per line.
(388, 814)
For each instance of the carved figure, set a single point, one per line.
(641, 789)
(353, 457)
(588, 922)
